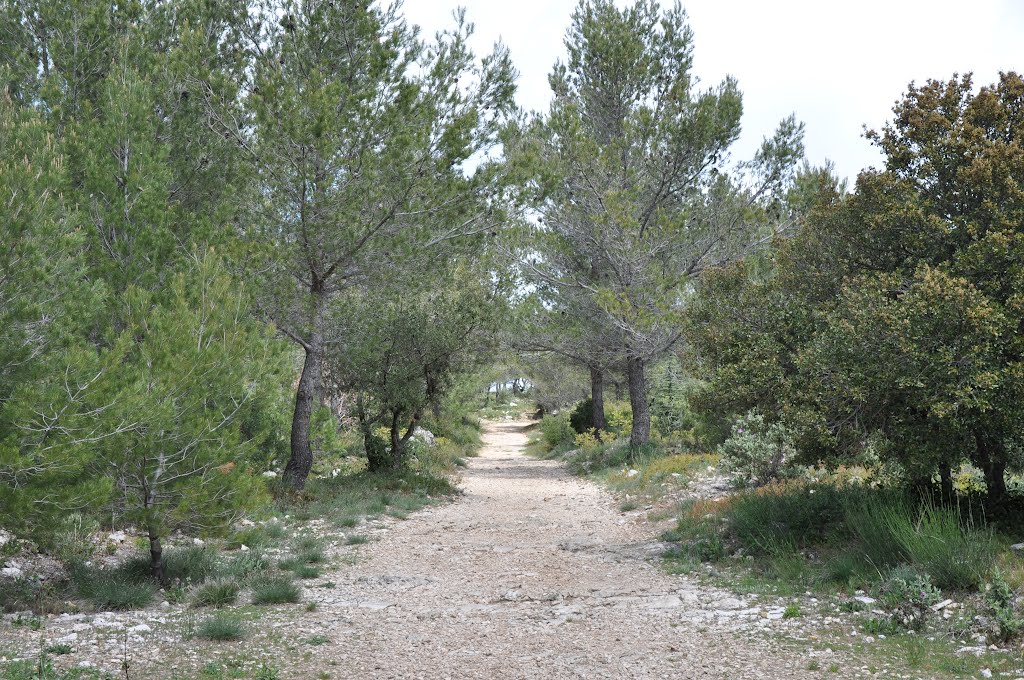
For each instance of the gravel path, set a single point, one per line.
(531, 574)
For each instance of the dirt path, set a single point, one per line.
(531, 574)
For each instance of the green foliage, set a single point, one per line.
(757, 452)
(784, 518)
(222, 628)
(909, 596)
(113, 590)
(617, 255)
(217, 593)
(1006, 621)
(581, 418)
(73, 544)
(889, 325)
(957, 555)
(556, 431)
(275, 589)
(247, 564)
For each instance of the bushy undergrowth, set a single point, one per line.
(275, 589)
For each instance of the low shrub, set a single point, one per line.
(581, 418)
(246, 564)
(758, 452)
(556, 431)
(1005, 622)
(908, 595)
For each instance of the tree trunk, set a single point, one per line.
(597, 399)
(992, 459)
(946, 482)
(399, 442)
(301, 460)
(637, 377)
(156, 552)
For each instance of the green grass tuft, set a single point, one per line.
(216, 593)
(275, 589)
(221, 628)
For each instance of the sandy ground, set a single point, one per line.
(531, 574)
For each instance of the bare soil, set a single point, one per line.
(531, 574)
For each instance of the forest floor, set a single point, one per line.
(530, 573)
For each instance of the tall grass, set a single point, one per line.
(862, 533)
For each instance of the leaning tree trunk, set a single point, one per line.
(597, 420)
(301, 460)
(637, 377)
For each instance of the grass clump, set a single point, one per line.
(113, 590)
(310, 550)
(247, 564)
(216, 593)
(221, 628)
(276, 589)
(357, 539)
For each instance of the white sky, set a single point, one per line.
(838, 65)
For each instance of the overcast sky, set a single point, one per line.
(838, 65)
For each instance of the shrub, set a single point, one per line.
(222, 628)
(310, 550)
(784, 516)
(218, 593)
(909, 595)
(581, 419)
(275, 589)
(556, 431)
(871, 517)
(758, 452)
(699, 534)
(1005, 622)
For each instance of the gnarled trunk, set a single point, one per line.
(597, 420)
(637, 377)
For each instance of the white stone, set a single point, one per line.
(244, 548)
(117, 537)
(986, 673)
(198, 541)
(141, 628)
(425, 436)
(632, 473)
(270, 474)
(864, 599)
(11, 572)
